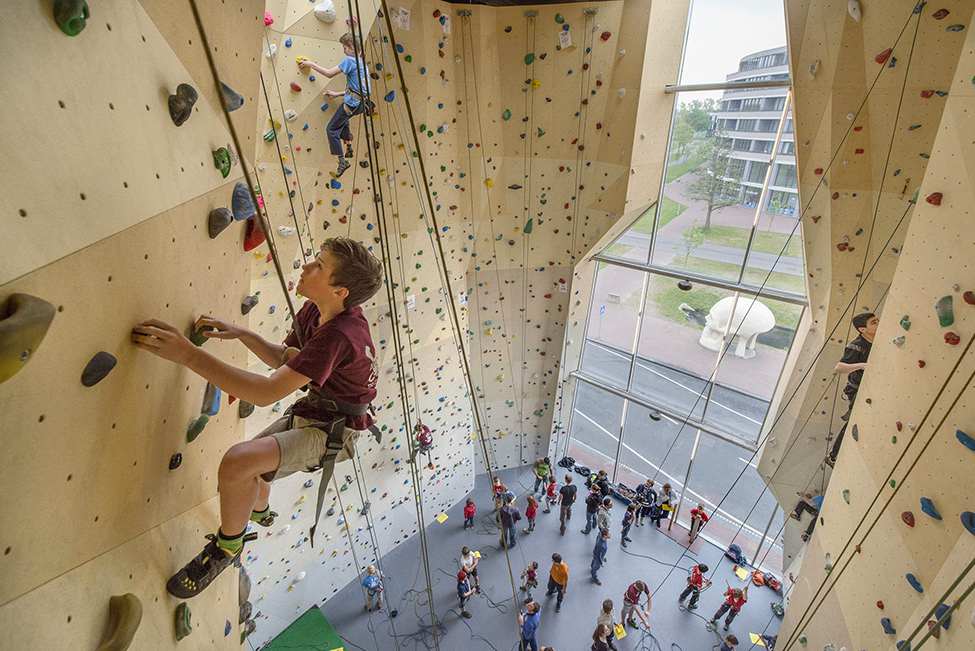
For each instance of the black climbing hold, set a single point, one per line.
(542, 56)
(655, 415)
(248, 304)
(219, 219)
(232, 100)
(181, 104)
(514, 186)
(507, 30)
(98, 368)
(244, 612)
(331, 511)
(24, 320)
(244, 409)
(855, 433)
(175, 461)
(363, 164)
(196, 336)
(684, 285)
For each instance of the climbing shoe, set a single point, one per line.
(202, 570)
(348, 151)
(343, 165)
(265, 521)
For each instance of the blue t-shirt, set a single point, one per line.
(463, 587)
(530, 627)
(599, 551)
(818, 501)
(349, 65)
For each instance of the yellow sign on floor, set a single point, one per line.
(441, 518)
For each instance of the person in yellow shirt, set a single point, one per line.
(558, 580)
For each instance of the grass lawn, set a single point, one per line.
(668, 212)
(676, 171)
(764, 242)
(616, 250)
(728, 271)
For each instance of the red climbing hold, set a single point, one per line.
(899, 425)
(295, 87)
(934, 198)
(883, 56)
(908, 519)
(952, 339)
(858, 128)
(836, 195)
(842, 246)
(940, 13)
(880, 605)
(818, 170)
(921, 363)
(268, 20)
(816, 218)
(926, 94)
(254, 235)
(436, 13)
(605, 36)
(858, 151)
(969, 297)
(585, 66)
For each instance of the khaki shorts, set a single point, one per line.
(302, 445)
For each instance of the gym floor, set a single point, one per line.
(493, 625)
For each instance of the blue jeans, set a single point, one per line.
(469, 522)
(338, 128)
(526, 644)
(626, 531)
(538, 482)
(507, 536)
(594, 567)
(590, 521)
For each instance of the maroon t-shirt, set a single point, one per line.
(338, 356)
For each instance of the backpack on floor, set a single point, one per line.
(734, 553)
(567, 462)
(583, 470)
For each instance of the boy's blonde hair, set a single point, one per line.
(372, 570)
(352, 41)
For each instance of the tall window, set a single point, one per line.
(695, 306)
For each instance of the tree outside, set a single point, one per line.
(682, 137)
(693, 237)
(717, 184)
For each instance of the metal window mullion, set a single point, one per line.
(639, 327)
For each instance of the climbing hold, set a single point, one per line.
(968, 521)
(325, 11)
(232, 100)
(914, 582)
(908, 518)
(24, 321)
(846, 495)
(254, 234)
(175, 461)
(98, 368)
(219, 219)
(903, 645)
(814, 68)
(906, 322)
(684, 285)
(854, 8)
(921, 363)
(295, 87)
(181, 104)
(965, 440)
(211, 400)
(605, 36)
(248, 304)
(940, 13)
(70, 15)
(529, 58)
(124, 617)
(541, 132)
(182, 624)
(559, 19)
(268, 20)
(934, 198)
(941, 612)
(899, 341)
(802, 640)
(946, 315)
(196, 428)
(536, 84)
(489, 183)
(888, 629)
(221, 160)
(969, 297)
(952, 339)
(955, 28)
(507, 30)
(290, 115)
(244, 409)
(242, 204)
(880, 605)
(928, 507)
(390, 96)
(883, 56)
(528, 227)
(506, 115)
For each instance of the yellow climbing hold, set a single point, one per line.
(300, 59)
(489, 183)
(536, 84)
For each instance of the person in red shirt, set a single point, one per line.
(736, 599)
(469, 514)
(698, 518)
(530, 511)
(631, 604)
(333, 357)
(551, 494)
(695, 583)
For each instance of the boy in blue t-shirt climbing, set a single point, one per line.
(333, 357)
(355, 93)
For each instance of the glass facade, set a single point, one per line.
(695, 306)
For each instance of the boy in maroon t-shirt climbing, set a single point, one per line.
(334, 357)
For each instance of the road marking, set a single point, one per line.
(748, 463)
(719, 512)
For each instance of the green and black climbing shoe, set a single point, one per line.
(201, 571)
(343, 165)
(264, 518)
(348, 151)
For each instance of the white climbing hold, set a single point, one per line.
(300, 577)
(286, 231)
(325, 11)
(622, 93)
(622, 53)
(290, 115)
(262, 167)
(813, 69)
(854, 8)
(285, 528)
(850, 116)
(456, 59)
(271, 51)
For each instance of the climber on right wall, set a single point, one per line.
(854, 361)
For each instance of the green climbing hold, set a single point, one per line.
(408, 58)
(124, 617)
(24, 321)
(196, 336)
(221, 160)
(70, 15)
(893, 439)
(183, 626)
(529, 58)
(196, 428)
(802, 640)
(528, 226)
(269, 135)
(906, 322)
(893, 483)
(541, 132)
(946, 314)
(559, 19)
(506, 115)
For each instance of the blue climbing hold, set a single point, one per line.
(968, 521)
(954, 28)
(211, 400)
(242, 205)
(390, 96)
(226, 629)
(324, 107)
(965, 440)
(335, 202)
(888, 629)
(940, 612)
(399, 48)
(423, 71)
(903, 645)
(287, 42)
(928, 507)
(336, 184)
(914, 582)
(311, 77)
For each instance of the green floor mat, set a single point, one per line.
(310, 632)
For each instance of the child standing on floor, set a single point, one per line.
(469, 514)
(530, 577)
(729, 643)
(551, 494)
(374, 586)
(736, 599)
(530, 511)
(607, 619)
(627, 523)
(464, 592)
(696, 582)
(698, 518)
